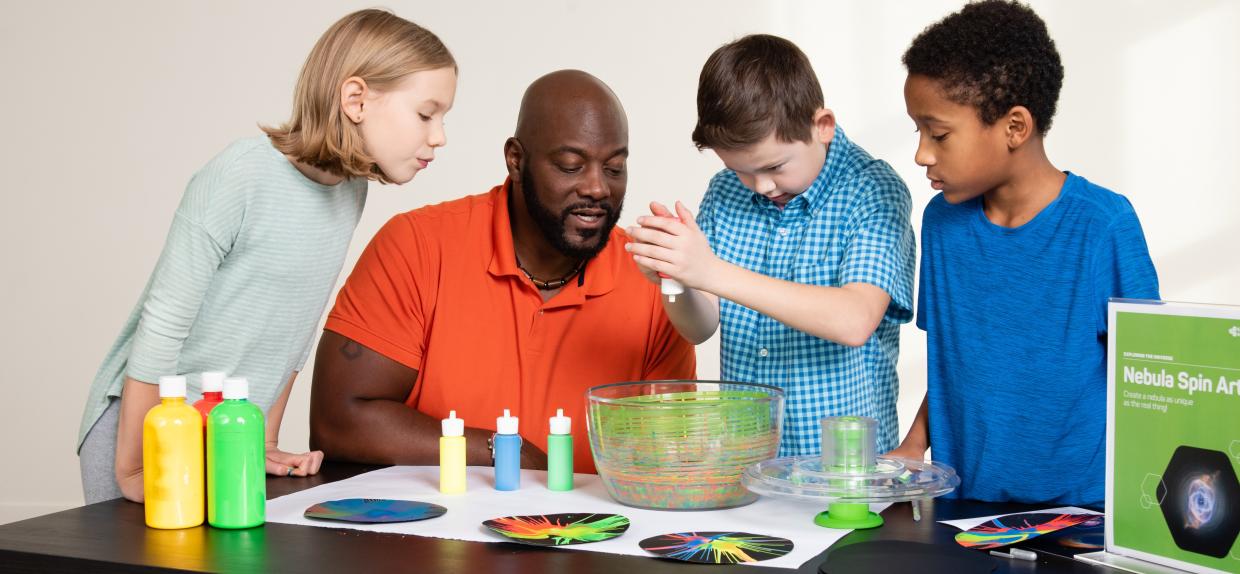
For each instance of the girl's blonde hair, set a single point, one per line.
(374, 45)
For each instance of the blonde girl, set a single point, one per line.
(259, 238)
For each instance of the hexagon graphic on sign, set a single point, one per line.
(1200, 500)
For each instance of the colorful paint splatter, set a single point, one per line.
(374, 510)
(1084, 537)
(1017, 528)
(560, 529)
(1087, 535)
(717, 547)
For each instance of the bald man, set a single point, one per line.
(520, 298)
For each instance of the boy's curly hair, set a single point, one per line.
(992, 55)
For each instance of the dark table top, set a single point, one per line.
(112, 537)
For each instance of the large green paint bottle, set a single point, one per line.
(236, 460)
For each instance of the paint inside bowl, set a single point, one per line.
(682, 445)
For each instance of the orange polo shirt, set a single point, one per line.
(438, 290)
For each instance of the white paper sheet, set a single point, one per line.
(789, 519)
(967, 523)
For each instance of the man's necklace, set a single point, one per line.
(549, 285)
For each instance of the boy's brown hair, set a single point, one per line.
(753, 87)
(376, 46)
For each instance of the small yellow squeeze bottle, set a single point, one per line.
(452, 455)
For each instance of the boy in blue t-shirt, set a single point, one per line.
(802, 251)
(1018, 261)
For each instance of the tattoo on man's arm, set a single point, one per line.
(351, 350)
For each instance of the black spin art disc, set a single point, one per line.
(903, 556)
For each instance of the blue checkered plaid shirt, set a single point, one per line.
(850, 226)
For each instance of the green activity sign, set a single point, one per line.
(1174, 435)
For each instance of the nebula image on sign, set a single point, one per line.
(1200, 500)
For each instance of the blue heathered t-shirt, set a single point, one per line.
(1016, 326)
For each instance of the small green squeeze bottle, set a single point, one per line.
(236, 460)
(560, 453)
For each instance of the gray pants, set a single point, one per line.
(97, 457)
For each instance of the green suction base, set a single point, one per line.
(848, 516)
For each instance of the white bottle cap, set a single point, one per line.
(172, 386)
(669, 286)
(453, 426)
(236, 388)
(561, 424)
(212, 381)
(506, 424)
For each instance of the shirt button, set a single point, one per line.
(763, 352)
(783, 232)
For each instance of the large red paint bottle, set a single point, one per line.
(212, 394)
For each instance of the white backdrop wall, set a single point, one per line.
(110, 107)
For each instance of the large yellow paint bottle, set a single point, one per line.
(172, 463)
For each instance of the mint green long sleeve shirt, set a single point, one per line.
(250, 262)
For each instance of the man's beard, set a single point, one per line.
(554, 226)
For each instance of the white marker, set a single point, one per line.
(1017, 553)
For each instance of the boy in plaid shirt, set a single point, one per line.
(802, 248)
